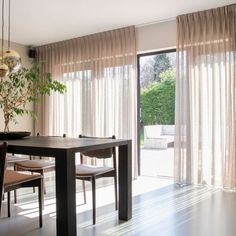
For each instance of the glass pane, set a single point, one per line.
(157, 113)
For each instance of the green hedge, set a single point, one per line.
(158, 101)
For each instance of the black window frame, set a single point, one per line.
(139, 55)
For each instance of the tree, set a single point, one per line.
(152, 66)
(146, 71)
(162, 63)
(22, 87)
(158, 101)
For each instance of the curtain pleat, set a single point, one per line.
(99, 72)
(205, 98)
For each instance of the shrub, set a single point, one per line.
(158, 101)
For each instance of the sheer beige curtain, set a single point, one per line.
(205, 139)
(100, 74)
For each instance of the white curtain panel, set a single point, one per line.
(99, 72)
(205, 139)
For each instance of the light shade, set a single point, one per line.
(3, 70)
(12, 59)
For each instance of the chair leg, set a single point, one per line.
(94, 199)
(9, 204)
(15, 196)
(32, 174)
(15, 193)
(84, 191)
(42, 191)
(1, 198)
(41, 203)
(44, 186)
(116, 197)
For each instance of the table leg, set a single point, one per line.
(65, 194)
(125, 181)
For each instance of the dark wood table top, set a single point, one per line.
(45, 143)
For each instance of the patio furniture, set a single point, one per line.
(91, 172)
(159, 136)
(11, 180)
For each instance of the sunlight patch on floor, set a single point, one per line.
(105, 196)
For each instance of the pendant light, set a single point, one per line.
(4, 70)
(11, 58)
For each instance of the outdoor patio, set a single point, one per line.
(157, 162)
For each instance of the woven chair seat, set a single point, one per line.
(88, 170)
(12, 177)
(35, 164)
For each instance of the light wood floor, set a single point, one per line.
(164, 211)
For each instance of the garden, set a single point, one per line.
(157, 97)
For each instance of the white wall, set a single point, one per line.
(154, 37)
(25, 123)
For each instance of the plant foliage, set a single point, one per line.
(22, 87)
(158, 101)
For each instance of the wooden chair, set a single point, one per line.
(12, 180)
(36, 166)
(91, 173)
(12, 159)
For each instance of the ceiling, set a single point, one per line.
(38, 22)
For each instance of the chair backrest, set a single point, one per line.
(3, 151)
(101, 153)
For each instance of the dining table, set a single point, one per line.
(63, 149)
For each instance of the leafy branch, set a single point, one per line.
(22, 87)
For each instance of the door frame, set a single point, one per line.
(139, 55)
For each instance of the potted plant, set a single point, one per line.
(23, 87)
